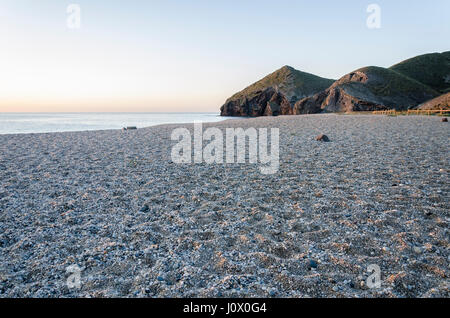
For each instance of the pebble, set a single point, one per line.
(323, 138)
(312, 264)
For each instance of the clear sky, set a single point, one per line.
(191, 55)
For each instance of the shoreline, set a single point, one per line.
(95, 121)
(225, 118)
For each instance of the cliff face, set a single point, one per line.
(288, 91)
(289, 84)
(268, 102)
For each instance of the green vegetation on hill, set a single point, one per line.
(366, 89)
(292, 83)
(430, 69)
(386, 82)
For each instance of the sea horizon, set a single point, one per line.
(51, 122)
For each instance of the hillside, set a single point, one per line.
(441, 102)
(430, 69)
(288, 91)
(287, 82)
(366, 89)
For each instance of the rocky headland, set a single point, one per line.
(406, 85)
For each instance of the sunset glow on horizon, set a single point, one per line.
(163, 56)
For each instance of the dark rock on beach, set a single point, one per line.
(312, 264)
(323, 138)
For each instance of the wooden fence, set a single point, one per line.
(440, 112)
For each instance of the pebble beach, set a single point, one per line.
(138, 225)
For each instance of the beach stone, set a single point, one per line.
(417, 250)
(131, 128)
(444, 120)
(323, 138)
(312, 264)
(144, 208)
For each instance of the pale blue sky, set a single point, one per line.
(191, 55)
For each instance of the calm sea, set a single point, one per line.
(19, 123)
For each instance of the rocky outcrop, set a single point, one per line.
(290, 84)
(268, 102)
(367, 89)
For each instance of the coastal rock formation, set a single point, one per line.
(289, 84)
(268, 102)
(441, 102)
(277, 105)
(402, 86)
(367, 89)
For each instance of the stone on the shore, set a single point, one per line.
(323, 138)
(312, 264)
(444, 120)
(160, 278)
